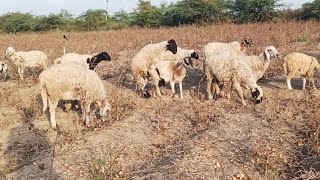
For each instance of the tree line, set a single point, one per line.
(183, 12)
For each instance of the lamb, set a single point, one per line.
(173, 72)
(300, 65)
(3, 69)
(84, 60)
(72, 82)
(145, 58)
(27, 59)
(234, 70)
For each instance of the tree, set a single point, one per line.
(93, 19)
(17, 22)
(255, 10)
(197, 11)
(147, 15)
(311, 10)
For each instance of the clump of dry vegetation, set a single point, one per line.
(165, 138)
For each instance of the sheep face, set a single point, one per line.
(272, 51)
(195, 55)
(172, 46)
(187, 62)
(105, 107)
(3, 67)
(256, 95)
(10, 51)
(95, 60)
(248, 42)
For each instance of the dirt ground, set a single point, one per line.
(165, 138)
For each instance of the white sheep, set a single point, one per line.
(232, 48)
(145, 58)
(72, 82)
(258, 64)
(3, 69)
(173, 72)
(181, 53)
(234, 70)
(27, 59)
(302, 66)
(85, 60)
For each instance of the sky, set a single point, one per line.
(76, 7)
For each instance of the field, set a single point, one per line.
(165, 138)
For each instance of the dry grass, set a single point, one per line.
(164, 138)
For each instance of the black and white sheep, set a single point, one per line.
(145, 58)
(72, 82)
(3, 69)
(302, 66)
(24, 59)
(172, 72)
(85, 60)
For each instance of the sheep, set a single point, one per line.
(234, 70)
(85, 60)
(300, 65)
(3, 69)
(27, 59)
(181, 53)
(145, 58)
(173, 72)
(259, 64)
(72, 82)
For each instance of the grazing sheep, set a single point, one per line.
(173, 72)
(302, 66)
(3, 69)
(234, 70)
(84, 60)
(145, 58)
(27, 59)
(72, 82)
(258, 64)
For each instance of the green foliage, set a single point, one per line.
(255, 10)
(197, 11)
(17, 22)
(147, 15)
(311, 10)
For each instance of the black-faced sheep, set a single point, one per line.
(85, 60)
(27, 59)
(145, 58)
(3, 69)
(234, 70)
(72, 82)
(171, 71)
(302, 66)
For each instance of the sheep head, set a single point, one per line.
(10, 51)
(257, 95)
(3, 67)
(272, 51)
(195, 55)
(172, 46)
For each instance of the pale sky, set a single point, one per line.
(76, 7)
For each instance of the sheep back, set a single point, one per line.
(299, 64)
(30, 59)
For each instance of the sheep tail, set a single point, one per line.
(285, 66)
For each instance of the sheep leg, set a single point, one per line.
(216, 90)
(209, 86)
(20, 72)
(312, 82)
(289, 83)
(172, 89)
(156, 80)
(304, 81)
(238, 88)
(86, 114)
(52, 110)
(44, 97)
(180, 86)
